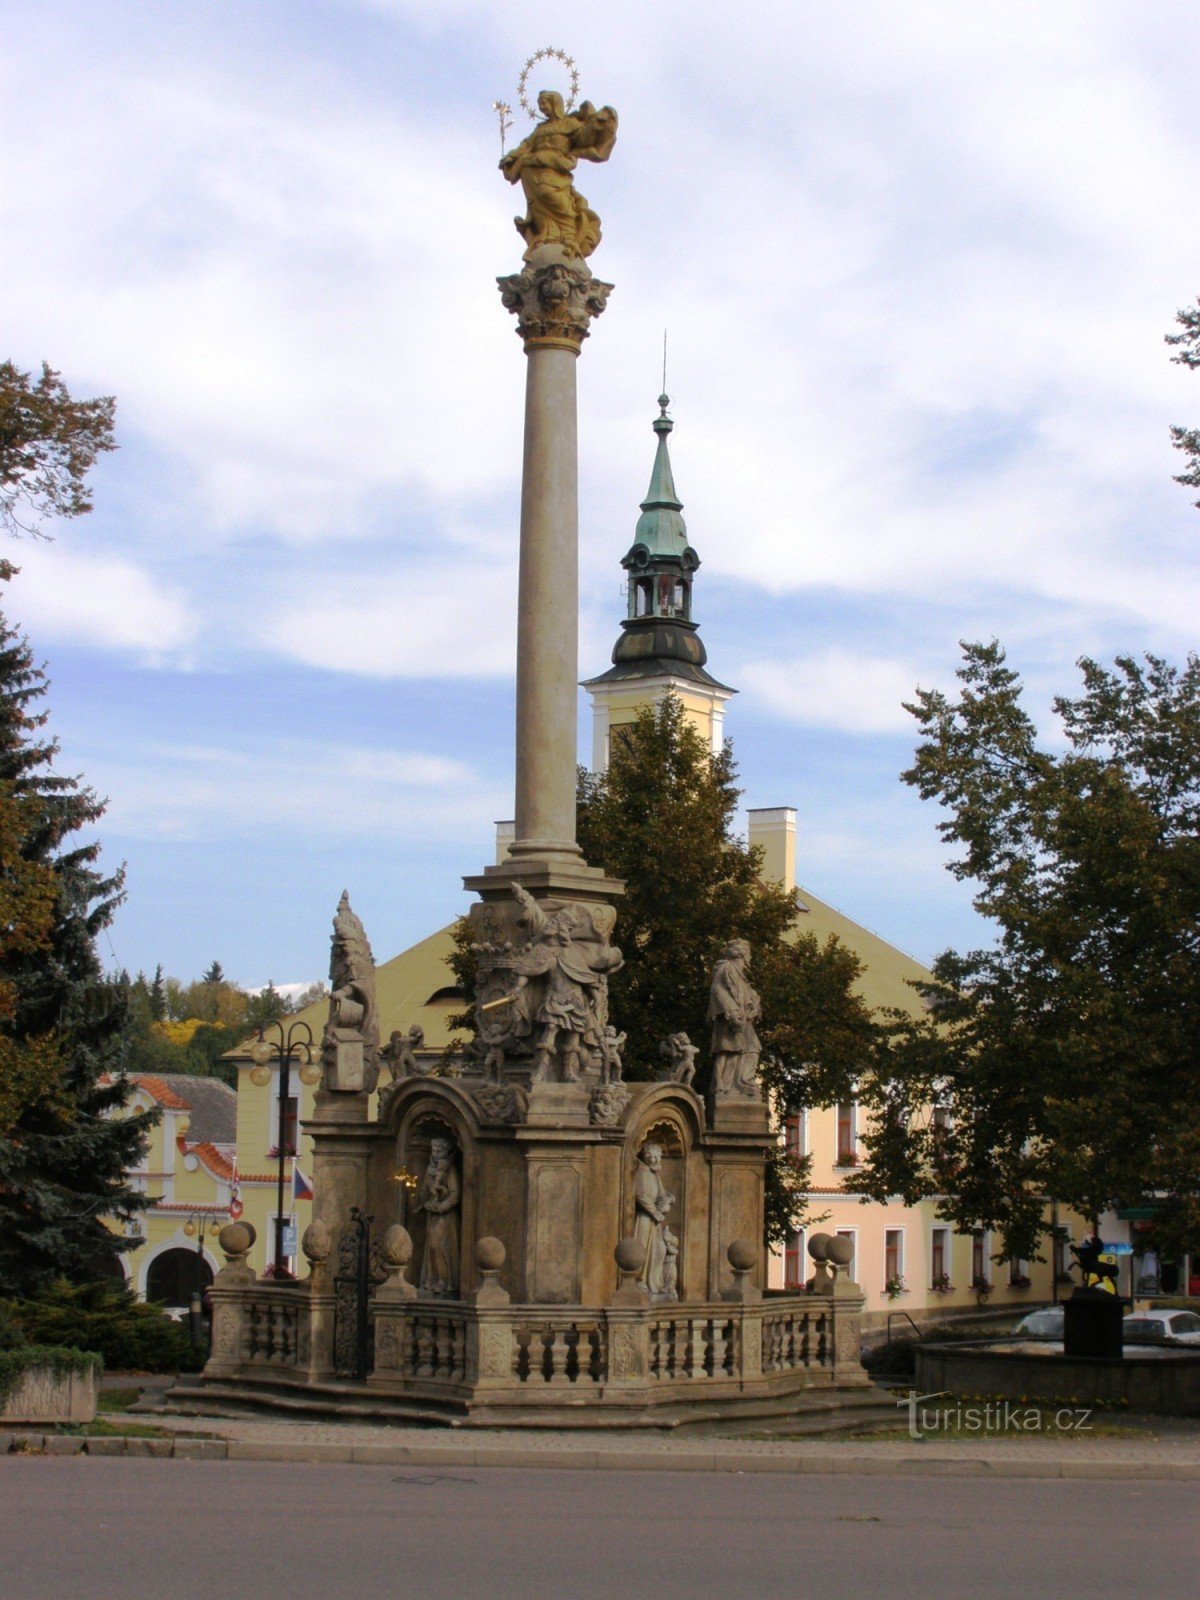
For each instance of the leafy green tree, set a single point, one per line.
(64, 1157)
(662, 818)
(1064, 1058)
(48, 444)
(268, 1005)
(157, 997)
(1188, 439)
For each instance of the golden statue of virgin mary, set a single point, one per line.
(544, 163)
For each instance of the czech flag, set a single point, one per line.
(301, 1188)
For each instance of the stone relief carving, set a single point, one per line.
(653, 1202)
(541, 988)
(626, 1357)
(608, 1104)
(387, 1345)
(554, 301)
(350, 1045)
(679, 1054)
(438, 1198)
(501, 1102)
(495, 1353)
(544, 165)
(733, 1009)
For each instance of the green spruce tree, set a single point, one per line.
(65, 1156)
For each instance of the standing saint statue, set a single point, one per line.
(653, 1202)
(565, 949)
(545, 163)
(733, 1009)
(438, 1198)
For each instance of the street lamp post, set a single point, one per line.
(295, 1044)
(197, 1225)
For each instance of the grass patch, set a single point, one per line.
(118, 1399)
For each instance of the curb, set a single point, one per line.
(633, 1459)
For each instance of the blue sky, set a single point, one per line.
(916, 261)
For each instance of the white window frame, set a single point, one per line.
(851, 1269)
(800, 1148)
(800, 1236)
(947, 1251)
(838, 1159)
(900, 1254)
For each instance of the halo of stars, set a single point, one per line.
(548, 54)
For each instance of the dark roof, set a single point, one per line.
(212, 1105)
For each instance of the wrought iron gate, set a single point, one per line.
(359, 1273)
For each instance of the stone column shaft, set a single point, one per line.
(548, 607)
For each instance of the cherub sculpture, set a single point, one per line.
(678, 1051)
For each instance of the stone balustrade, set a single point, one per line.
(508, 1359)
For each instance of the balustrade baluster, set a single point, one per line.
(424, 1347)
(557, 1352)
(719, 1348)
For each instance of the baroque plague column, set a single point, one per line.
(520, 1234)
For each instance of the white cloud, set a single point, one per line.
(329, 792)
(835, 689)
(444, 623)
(68, 595)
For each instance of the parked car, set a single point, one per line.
(1044, 1324)
(1162, 1327)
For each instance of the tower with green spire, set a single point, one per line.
(660, 649)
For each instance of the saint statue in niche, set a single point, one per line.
(653, 1202)
(438, 1198)
(733, 1009)
(544, 165)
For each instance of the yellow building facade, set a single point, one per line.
(189, 1173)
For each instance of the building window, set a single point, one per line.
(793, 1260)
(939, 1258)
(981, 1276)
(847, 1138)
(893, 1260)
(1018, 1273)
(850, 1270)
(795, 1135)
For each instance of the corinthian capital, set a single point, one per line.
(554, 298)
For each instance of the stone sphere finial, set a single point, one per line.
(630, 1255)
(317, 1242)
(818, 1246)
(490, 1254)
(743, 1257)
(840, 1251)
(236, 1240)
(397, 1246)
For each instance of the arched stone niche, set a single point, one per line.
(668, 1119)
(426, 1117)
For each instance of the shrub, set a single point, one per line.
(106, 1318)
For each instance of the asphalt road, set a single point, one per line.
(77, 1529)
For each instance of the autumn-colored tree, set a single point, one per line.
(48, 444)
